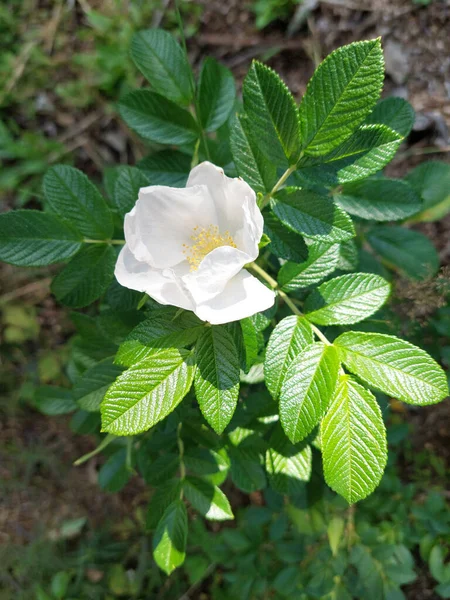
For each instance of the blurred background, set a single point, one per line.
(63, 66)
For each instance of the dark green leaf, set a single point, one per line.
(126, 189)
(288, 465)
(163, 63)
(114, 474)
(284, 242)
(51, 400)
(322, 260)
(246, 471)
(208, 499)
(379, 199)
(157, 119)
(90, 389)
(396, 113)
(311, 215)
(405, 250)
(272, 112)
(431, 180)
(71, 195)
(30, 238)
(168, 167)
(216, 94)
(86, 276)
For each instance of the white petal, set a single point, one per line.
(163, 219)
(242, 297)
(235, 203)
(162, 286)
(214, 272)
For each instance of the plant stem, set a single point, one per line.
(105, 442)
(276, 187)
(274, 284)
(110, 242)
(181, 453)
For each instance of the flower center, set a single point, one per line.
(203, 242)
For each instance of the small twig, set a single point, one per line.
(26, 289)
(194, 587)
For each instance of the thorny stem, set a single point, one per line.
(181, 453)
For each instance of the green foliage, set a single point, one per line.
(270, 397)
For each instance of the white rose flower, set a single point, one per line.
(188, 247)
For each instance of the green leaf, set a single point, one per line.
(340, 95)
(288, 465)
(284, 243)
(431, 180)
(364, 153)
(168, 167)
(126, 188)
(114, 474)
(52, 400)
(354, 445)
(246, 471)
(163, 63)
(322, 260)
(272, 114)
(217, 376)
(216, 94)
(165, 329)
(147, 392)
(395, 113)
(405, 250)
(290, 336)
(86, 276)
(307, 389)
(312, 215)
(393, 366)
(210, 465)
(251, 164)
(157, 119)
(30, 238)
(91, 388)
(207, 499)
(250, 342)
(379, 199)
(347, 299)
(348, 256)
(70, 194)
(169, 540)
(161, 498)
(335, 532)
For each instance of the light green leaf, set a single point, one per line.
(157, 119)
(216, 94)
(307, 388)
(431, 180)
(322, 260)
(114, 474)
(165, 329)
(393, 366)
(272, 114)
(169, 540)
(347, 299)
(52, 400)
(312, 215)
(147, 392)
(208, 499)
(284, 242)
(354, 445)
(126, 188)
(251, 164)
(335, 532)
(70, 194)
(163, 63)
(379, 199)
(217, 376)
(405, 250)
(30, 238)
(364, 153)
(290, 336)
(340, 95)
(288, 465)
(86, 276)
(91, 388)
(168, 167)
(250, 342)
(395, 113)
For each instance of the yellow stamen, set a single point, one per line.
(203, 242)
